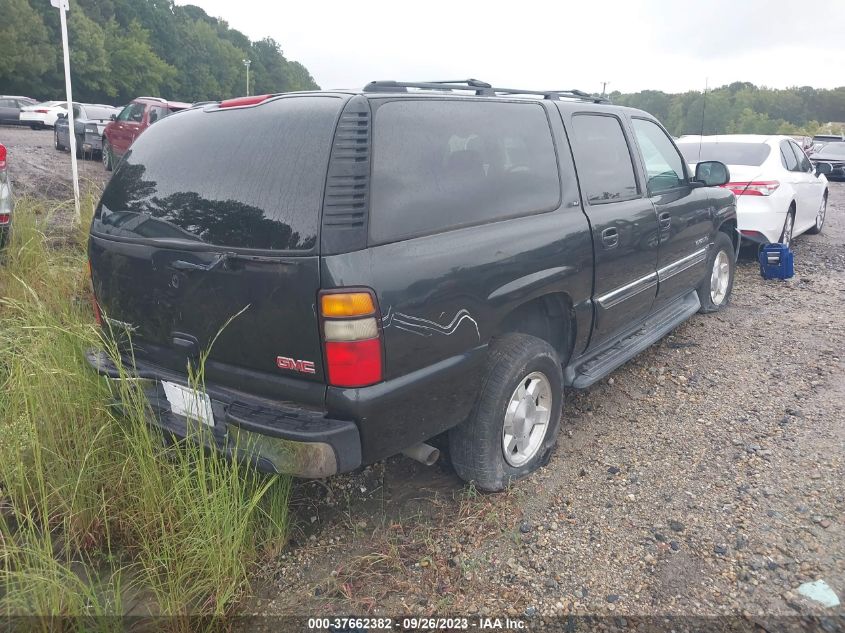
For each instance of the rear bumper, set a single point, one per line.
(760, 219)
(274, 436)
(92, 142)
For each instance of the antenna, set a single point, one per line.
(703, 107)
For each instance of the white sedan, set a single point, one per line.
(779, 193)
(42, 114)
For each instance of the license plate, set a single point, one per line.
(189, 402)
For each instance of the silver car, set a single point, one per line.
(89, 119)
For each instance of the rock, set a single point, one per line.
(721, 550)
(674, 545)
(819, 591)
(525, 527)
(676, 526)
(612, 597)
(659, 537)
(613, 470)
(530, 611)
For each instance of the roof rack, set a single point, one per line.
(481, 88)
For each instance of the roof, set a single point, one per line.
(732, 138)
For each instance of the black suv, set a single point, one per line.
(385, 265)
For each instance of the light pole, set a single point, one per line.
(63, 6)
(247, 62)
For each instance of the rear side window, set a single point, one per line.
(787, 157)
(602, 159)
(246, 177)
(439, 165)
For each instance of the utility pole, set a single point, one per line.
(247, 62)
(63, 6)
(604, 88)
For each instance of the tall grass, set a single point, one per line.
(98, 517)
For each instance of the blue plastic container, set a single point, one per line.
(776, 262)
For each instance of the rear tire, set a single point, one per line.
(788, 227)
(108, 156)
(819, 225)
(58, 145)
(714, 292)
(79, 152)
(514, 425)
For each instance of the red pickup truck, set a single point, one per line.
(132, 120)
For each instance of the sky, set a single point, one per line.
(633, 45)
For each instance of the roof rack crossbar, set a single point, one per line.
(480, 88)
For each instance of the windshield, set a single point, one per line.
(833, 149)
(752, 154)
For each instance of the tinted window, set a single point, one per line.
(752, 154)
(602, 159)
(833, 149)
(664, 166)
(787, 157)
(443, 164)
(250, 178)
(124, 114)
(7, 103)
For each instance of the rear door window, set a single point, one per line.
(246, 177)
(440, 165)
(787, 157)
(603, 159)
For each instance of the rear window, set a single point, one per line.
(246, 178)
(97, 112)
(752, 154)
(439, 165)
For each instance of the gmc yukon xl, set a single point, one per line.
(386, 265)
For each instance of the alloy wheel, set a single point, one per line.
(527, 417)
(720, 277)
(822, 212)
(788, 225)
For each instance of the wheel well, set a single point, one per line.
(549, 317)
(728, 227)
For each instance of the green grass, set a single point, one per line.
(97, 517)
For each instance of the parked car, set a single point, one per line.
(832, 154)
(89, 121)
(780, 195)
(41, 115)
(829, 138)
(10, 108)
(132, 120)
(383, 266)
(7, 203)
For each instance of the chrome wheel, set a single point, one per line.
(786, 238)
(720, 277)
(526, 419)
(106, 155)
(820, 216)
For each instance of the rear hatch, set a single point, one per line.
(209, 228)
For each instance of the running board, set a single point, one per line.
(597, 364)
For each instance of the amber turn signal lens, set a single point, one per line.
(347, 304)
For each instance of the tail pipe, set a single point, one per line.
(423, 453)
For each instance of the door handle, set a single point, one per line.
(610, 238)
(665, 219)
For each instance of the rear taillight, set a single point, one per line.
(42, 111)
(352, 337)
(98, 316)
(5, 218)
(754, 188)
(2, 157)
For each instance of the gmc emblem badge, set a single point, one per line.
(302, 366)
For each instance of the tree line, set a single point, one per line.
(121, 49)
(743, 108)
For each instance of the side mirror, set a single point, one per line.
(823, 168)
(712, 173)
(113, 117)
(62, 115)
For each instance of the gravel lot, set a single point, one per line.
(704, 478)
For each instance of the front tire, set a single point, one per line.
(514, 425)
(819, 225)
(714, 293)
